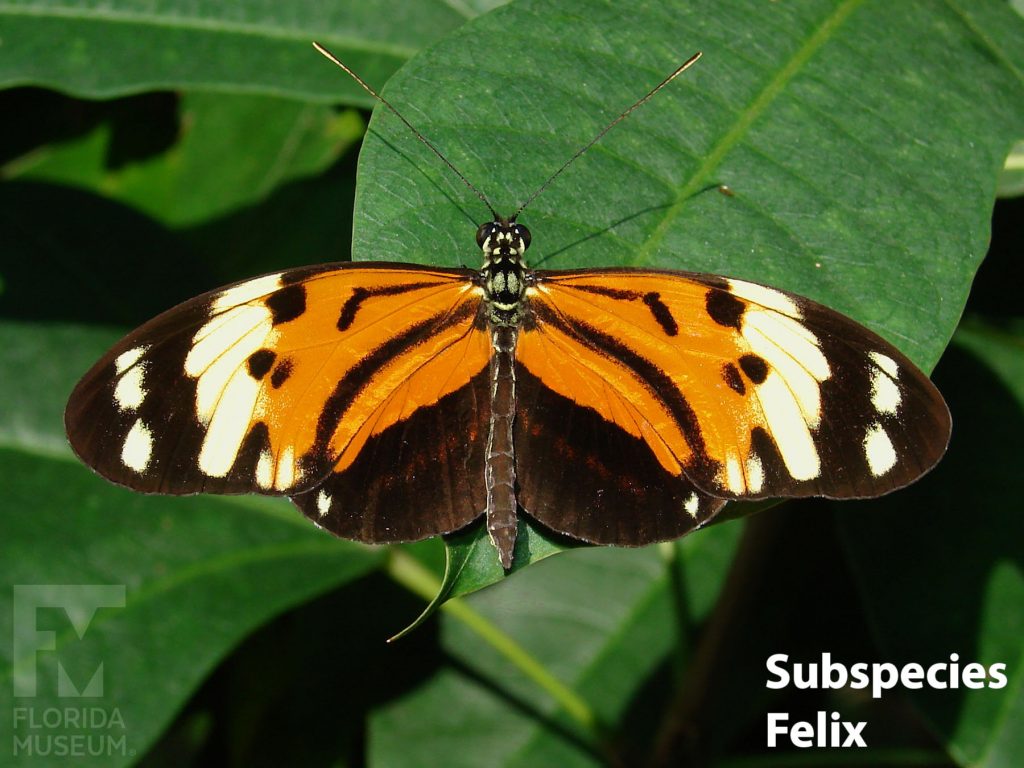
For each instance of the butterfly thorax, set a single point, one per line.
(503, 275)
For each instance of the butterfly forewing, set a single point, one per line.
(263, 386)
(741, 390)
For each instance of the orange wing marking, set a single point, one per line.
(702, 384)
(273, 355)
(567, 366)
(419, 378)
(625, 343)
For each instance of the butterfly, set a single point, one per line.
(393, 402)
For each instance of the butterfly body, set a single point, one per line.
(393, 402)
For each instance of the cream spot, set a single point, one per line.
(215, 378)
(800, 364)
(285, 469)
(755, 474)
(229, 423)
(265, 470)
(765, 296)
(129, 392)
(323, 503)
(788, 428)
(885, 395)
(791, 335)
(247, 291)
(734, 475)
(221, 333)
(138, 447)
(127, 359)
(886, 363)
(878, 450)
(692, 505)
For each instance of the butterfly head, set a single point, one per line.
(502, 241)
(503, 275)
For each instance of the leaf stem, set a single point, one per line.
(683, 725)
(408, 572)
(672, 555)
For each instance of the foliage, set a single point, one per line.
(862, 142)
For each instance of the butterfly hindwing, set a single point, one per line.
(745, 391)
(266, 385)
(590, 479)
(420, 476)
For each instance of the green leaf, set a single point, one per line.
(118, 47)
(218, 165)
(198, 574)
(844, 146)
(862, 170)
(602, 620)
(1011, 181)
(253, 185)
(42, 365)
(69, 255)
(941, 566)
(471, 562)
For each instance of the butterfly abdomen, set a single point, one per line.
(500, 468)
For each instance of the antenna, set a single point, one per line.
(639, 103)
(408, 125)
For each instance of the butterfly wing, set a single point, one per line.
(681, 389)
(285, 382)
(583, 476)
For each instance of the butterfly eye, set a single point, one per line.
(483, 232)
(524, 235)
